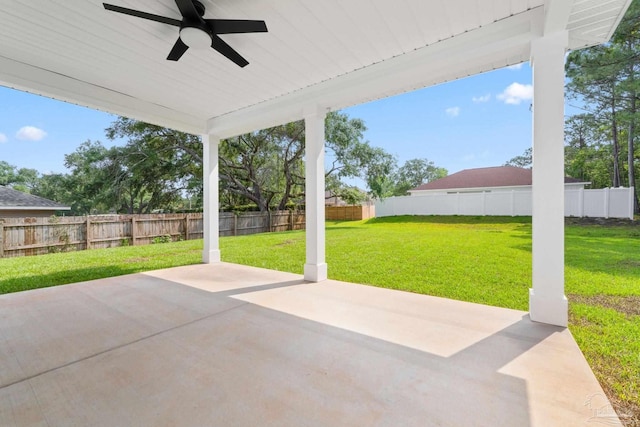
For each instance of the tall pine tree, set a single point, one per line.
(604, 79)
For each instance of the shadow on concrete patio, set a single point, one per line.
(232, 345)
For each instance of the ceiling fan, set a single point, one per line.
(197, 32)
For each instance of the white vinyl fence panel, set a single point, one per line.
(605, 203)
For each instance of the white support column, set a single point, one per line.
(547, 302)
(315, 268)
(211, 252)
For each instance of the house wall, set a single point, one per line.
(26, 213)
(606, 203)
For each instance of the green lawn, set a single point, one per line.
(20, 274)
(477, 259)
(488, 261)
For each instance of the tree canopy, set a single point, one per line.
(415, 172)
(159, 169)
(525, 160)
(603, 80)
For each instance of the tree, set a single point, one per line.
(7, 173)
(587, 151)
(627, 36)
(134, 178)
(90, 182)
(157, 165)
(416, 172)
(249, 166)
(56, 187)
(604, 80)
(379, 173)
(525, 160)
(26, 179)
(263, 168)
(594, 74)
(23, 179)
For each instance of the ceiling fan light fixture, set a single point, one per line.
(198, 32)
(195, 38)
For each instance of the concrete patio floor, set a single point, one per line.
(229, 345)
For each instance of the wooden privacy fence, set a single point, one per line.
(349, 213)
(35, 236)
(260, 222)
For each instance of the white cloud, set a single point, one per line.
(515, 66)
(3, 138)
(483, 98)
(30, 133)
(452, 111)
(515, 93)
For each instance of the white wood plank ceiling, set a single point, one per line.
(329, 53)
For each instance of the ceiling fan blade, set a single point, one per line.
(144, 15)
(222, 47)
(188, 10)
(235, 26)
(179, 48)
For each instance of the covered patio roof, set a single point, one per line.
(316, 57)
(332, 53)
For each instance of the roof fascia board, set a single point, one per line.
(618, 19)
(35, 208)
(466, 54)
(25, 77)
(579, 40)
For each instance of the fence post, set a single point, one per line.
(513, 203)
(235, 223)
(484, 203)
(133, 230)
(88, 232)
(606, 202)
(632, 193)
(581, 202)
(186, 226)
(290, 219)
(1, 238)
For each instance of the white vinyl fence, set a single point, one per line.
(604, 203)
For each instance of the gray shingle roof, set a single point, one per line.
(10, 198)
(499, 176)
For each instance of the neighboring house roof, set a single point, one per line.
(499, 176)
(11, 199)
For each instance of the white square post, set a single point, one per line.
(315, 268)
(547, 302)
(211, 252)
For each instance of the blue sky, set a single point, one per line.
(478, 121)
